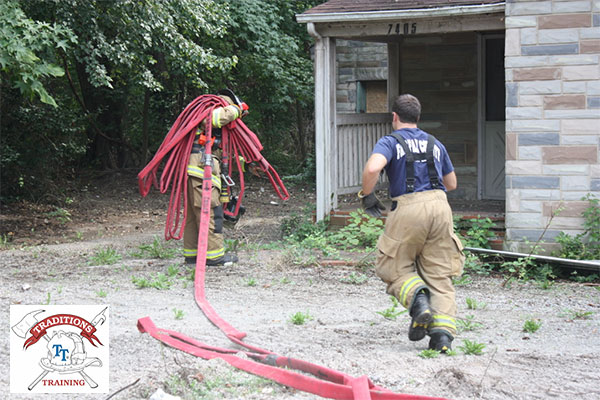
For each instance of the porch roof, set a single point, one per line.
(359, 10)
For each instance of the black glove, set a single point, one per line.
(371, 204)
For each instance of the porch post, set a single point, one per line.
(325, 142)
(393, 81)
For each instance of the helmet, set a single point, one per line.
(236, 100)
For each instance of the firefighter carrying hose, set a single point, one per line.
(215, 255)
(418, 251)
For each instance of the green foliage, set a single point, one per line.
(468, 324)
(585, 245)
(462, 280)
(179, 314)
(474, 264)
(299, 226)
(159, 281)
(27, 49)
(577, 314)
(362, 231)
(251, 282)
(62, 216)
(157, 249)
(300, 318)
(585, 277)
(473, 304)
(274, 76)
(106, 256)
(101, 293)
(355, 278)
(392, 312)
(471, 347)
(531, 325)
(429, 353)
(477, 231)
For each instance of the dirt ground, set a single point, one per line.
(45, 258)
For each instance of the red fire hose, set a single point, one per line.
(237, 140)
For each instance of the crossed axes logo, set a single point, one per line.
(66, 352)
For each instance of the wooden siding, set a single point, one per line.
(356, 137)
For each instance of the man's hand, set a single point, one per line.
(371, 204)
(254, 169)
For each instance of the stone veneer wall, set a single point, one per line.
(552, 116)
(357, 61)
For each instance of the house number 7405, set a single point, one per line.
(405, 28)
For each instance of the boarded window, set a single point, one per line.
(371, 97)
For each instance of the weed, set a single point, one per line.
(179, 314)
(172, 270)
(462, 280)
(531, 325)
(477, 231)
(48, 298)
(355, 278)
(107, 256)
(300, 318)
(472, 304)
(545, 284)
(5, 239)
(361, 231)
(79, 235)
(62, 216)
(231, 245)
(468, 347)
(297, 227)
(392, 313)
(429, 353)
(251, 282)
(155, 250)
(101, 293)
(474, 264)
(468, 324)
(285, 280)
(574, 314)
(584, 278)
(160, 282)
(585, 245)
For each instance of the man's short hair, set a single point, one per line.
(408, 108)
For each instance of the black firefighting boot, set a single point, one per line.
(440, 341)
(223, 260)
(226, 259)
(421, 316)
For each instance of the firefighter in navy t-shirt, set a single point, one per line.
(418, 251)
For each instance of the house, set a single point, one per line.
(512, 88)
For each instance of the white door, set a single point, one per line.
(492, 147)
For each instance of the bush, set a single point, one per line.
(586, 245)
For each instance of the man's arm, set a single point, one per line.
(449, 181)
(374, 165)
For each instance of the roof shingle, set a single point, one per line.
(349, 6)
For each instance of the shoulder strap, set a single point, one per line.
(433, 176)
(410, 163)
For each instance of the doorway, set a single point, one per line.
(492, 120)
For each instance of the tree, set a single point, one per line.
(274, 74)
(27, 51)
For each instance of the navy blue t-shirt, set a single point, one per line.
(395, 168)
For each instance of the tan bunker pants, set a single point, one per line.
(215, 248)
(419, 250)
